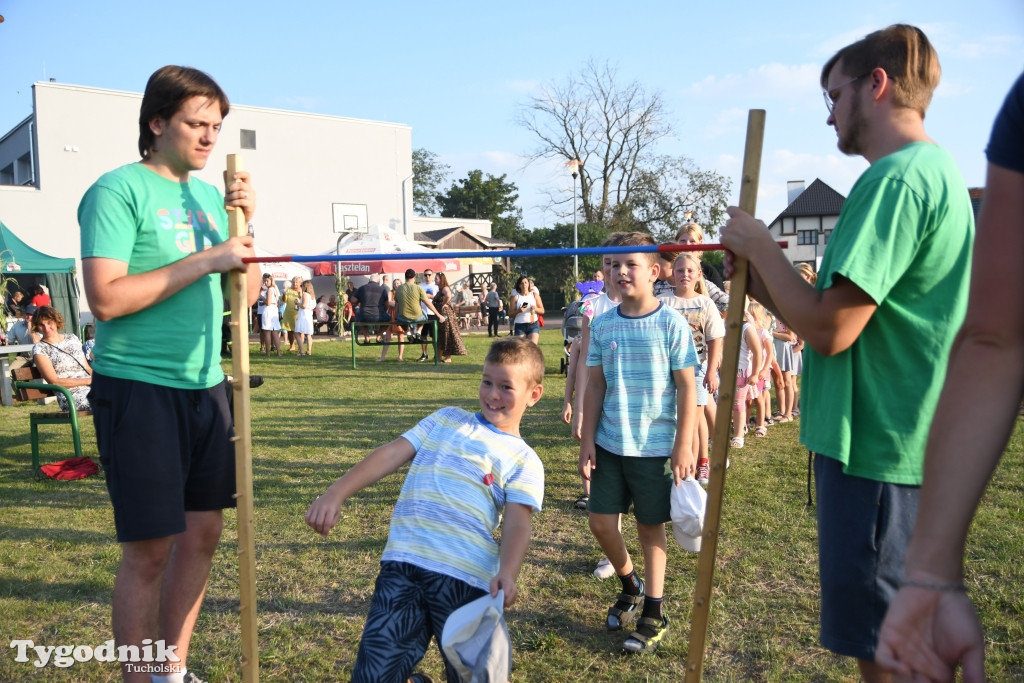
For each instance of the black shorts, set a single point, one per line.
(864, 527)
(164, 451)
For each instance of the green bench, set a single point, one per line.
(356, 325)
(28, 386)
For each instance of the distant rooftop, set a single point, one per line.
(817, 200)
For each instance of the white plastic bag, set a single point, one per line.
(688, 500)
(475, 640)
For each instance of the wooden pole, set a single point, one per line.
(243, 447)
(720, 450)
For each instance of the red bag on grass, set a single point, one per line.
(72, 468)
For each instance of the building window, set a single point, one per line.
(7, 175)
(828, 234)
(807, 237)
(248, 139)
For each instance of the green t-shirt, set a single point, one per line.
(904, 236)
(137, 216)
(408, 297)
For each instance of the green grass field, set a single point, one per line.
(315, 417)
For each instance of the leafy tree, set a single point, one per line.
(492, 198)
(428, 176)
(672, 191)
(551, 272)
(609, 127)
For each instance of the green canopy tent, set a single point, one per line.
(30, 267)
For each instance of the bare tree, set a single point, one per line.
(609, 127)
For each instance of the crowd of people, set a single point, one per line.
(641, 380)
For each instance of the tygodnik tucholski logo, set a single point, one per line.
(152, 657)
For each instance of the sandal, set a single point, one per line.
(761, 431)
(737, 442)
(581, 502)
(624, 610)
(647, 636)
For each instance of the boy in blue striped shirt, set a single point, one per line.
(637, 433)
(466, 470)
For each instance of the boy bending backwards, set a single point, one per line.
(466, 470)
(637, 433)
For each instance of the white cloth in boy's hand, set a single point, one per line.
(688, 501)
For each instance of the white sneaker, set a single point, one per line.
(604, 570)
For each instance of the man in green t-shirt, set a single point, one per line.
(154, 248)
(408, 297)
(890, 297)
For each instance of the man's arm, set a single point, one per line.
(113, 293)
(325, 511)
(515, 538)
(927, 630)
(430, 305)
(829, 321)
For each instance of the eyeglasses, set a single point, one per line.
(428, 274)
(830, 99)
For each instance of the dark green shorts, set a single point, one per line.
(619, 481)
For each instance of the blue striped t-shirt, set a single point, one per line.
(638, 355)
(464, 472)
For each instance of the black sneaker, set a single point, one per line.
(422, 358)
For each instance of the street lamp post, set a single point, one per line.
(574, 168)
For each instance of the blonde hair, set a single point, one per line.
(699, 287)
(807, 272)
(759, 313)
(693, 230)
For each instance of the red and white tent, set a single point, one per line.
(380, 240)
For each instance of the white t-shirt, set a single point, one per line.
(529, 315)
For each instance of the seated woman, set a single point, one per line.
(59, 358)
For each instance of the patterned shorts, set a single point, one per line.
(410, 604)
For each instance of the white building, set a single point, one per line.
(316, 176)
(807, 223)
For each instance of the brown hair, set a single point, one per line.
(444, 280)
(905, 54)
(521, 352)
(639, 239)
(47, 313)
(166, 91)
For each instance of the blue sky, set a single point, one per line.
(458, 72)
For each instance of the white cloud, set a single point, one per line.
(726, 121)
(772, 81)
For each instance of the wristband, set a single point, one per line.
(958, 587)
